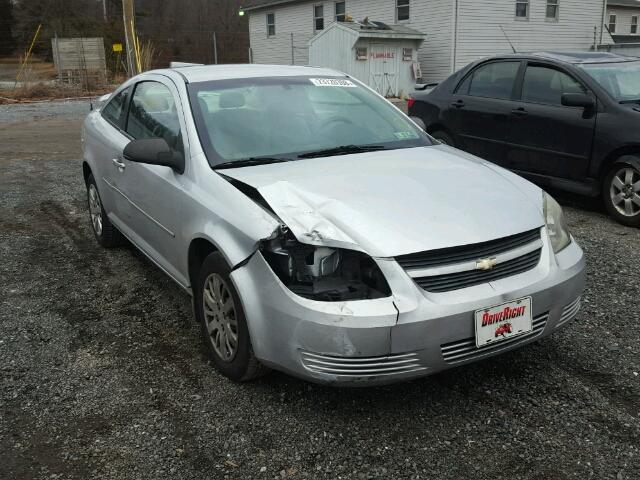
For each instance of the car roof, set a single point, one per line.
(574, 57)
(205, 73)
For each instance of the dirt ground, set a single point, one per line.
(104, 375)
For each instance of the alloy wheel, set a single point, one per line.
(625, 191)
(220, 317)
(95, 209)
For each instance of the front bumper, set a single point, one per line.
(410, 334)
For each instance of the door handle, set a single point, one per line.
(458, 104)
(118, 163)
(520, 112)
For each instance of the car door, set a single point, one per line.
(154, 192)
(481, 108)
(546, 137)
(109, 148)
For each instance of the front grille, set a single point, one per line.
(569, 312)
(362, 366)
(465, 253)
(468, 278)
(463, 350)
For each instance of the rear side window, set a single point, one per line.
(493, 80)
(547, 85)
(153, 114)
(114, 111)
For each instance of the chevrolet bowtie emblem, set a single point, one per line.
(486, 263)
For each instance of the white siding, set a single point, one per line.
(623, 20)
(432, 17)
(478, 26)
(479, 32)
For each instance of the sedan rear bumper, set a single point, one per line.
(412, 333)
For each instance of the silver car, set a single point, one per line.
(319, 230)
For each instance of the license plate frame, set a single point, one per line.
(499, 323)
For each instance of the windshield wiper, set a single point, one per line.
(343, 150)
(634, 100)
(248, 162)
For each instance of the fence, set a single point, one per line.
(629, 49)
(79, 60)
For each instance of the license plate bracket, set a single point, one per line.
(501, 322)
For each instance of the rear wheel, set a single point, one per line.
(224, 326)
(444, 137)
(105, 232)
(621, 193)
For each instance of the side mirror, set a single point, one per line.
(578, 100)
(154, 151)
(418, 121)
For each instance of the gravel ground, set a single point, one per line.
(104, 374)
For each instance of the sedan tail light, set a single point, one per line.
(410, 102)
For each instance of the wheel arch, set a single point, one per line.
(439, 127)
(199, 249)
(628, 153)
(86, 171)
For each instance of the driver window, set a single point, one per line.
(153, 114)
(547, 85)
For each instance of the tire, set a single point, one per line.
(222, 319)
(444, 137)
(621, 193)
(105, 232)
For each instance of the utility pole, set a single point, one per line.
(128, 16)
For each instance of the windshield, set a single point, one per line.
(288, 117)
(621, 80)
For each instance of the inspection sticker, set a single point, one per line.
(331, 82)
(405, 135)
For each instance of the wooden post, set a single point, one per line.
(128, 16)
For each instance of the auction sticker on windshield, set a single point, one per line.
(332, 82)
(499, 323)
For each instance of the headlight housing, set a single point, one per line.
(556, 224)
(323, 273)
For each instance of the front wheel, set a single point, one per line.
(444, 137)
(621, 194)
(224, 326)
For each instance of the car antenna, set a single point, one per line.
(505, 36)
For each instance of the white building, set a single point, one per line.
(622, 20)
(384, 57)
(457, 31)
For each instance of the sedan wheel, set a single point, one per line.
(105, 232)
(95, 209)
(220, 317)
(625, 191)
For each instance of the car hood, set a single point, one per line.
(395, 202)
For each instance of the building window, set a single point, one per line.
(402, 10)
(612, 23)
(634, 24)
(522, 8)
(552, 9)
(340, 12)
(271, 24)
(407, 54)
(318, 17)
(361, 53)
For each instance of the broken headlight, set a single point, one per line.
(323, 273)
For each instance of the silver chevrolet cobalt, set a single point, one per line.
(319, 230)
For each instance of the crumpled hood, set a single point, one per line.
(395, 202)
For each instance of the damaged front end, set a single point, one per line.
(323, 273)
